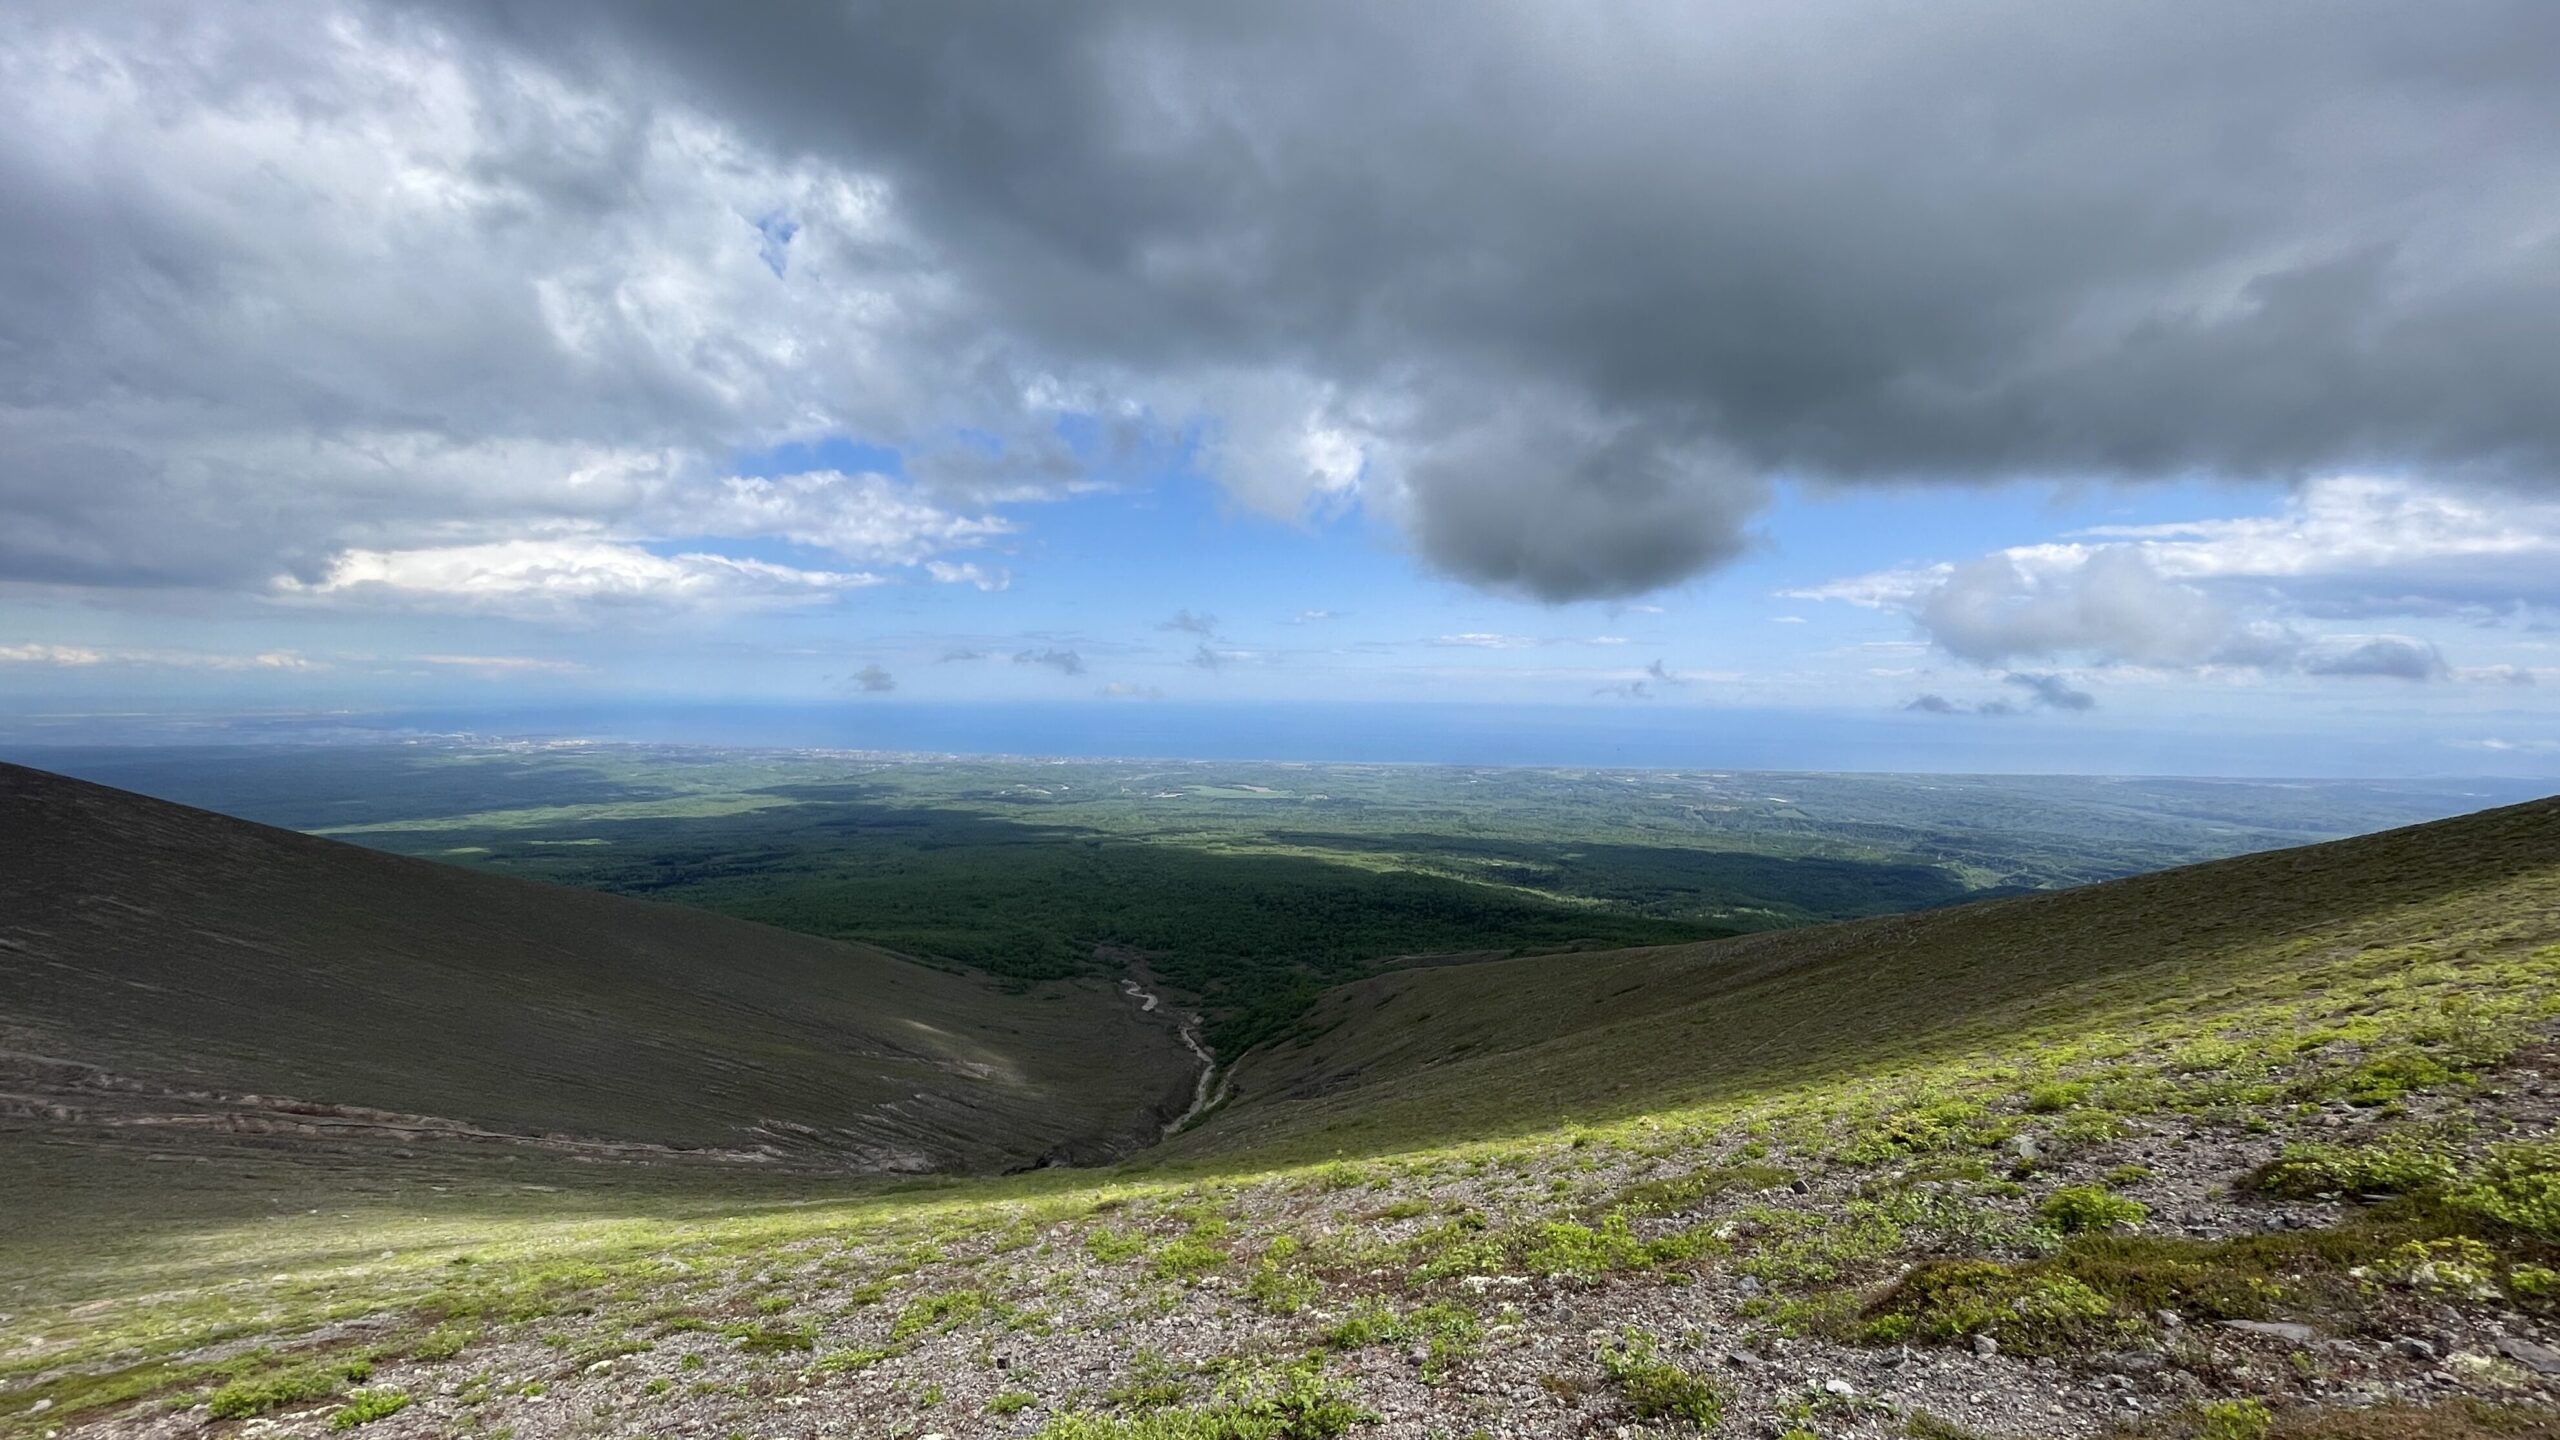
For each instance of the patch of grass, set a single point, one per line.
(1148, 1382)
(1012, 1402)
(1187, 1257)
(2091, 1210)
(2394, 1165)
(2452, 1420)
(1682, 1192)
(1294, 1403)
(2029, 1312)
(363, 1407)
(2517, 1186)
(944, 1311)
(1278, 1284)
(257, 1394)
(1657, 1389)
(443, 1342)
(763, 1339)
(1112, 1246)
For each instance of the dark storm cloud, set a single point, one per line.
(1681, 249)
(1559, 289)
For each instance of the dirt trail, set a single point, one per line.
(1202, 1095)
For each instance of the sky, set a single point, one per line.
(2162, 385)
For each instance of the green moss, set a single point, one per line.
(2091, 1209)
(2232, 1420)
(2517, 1186)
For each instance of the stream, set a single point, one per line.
(1202, 1096)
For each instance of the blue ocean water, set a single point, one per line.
(1655, 737)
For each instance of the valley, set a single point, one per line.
(306, 1136)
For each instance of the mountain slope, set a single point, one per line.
(1433, 1055)
(2260, 1148)
(172, 968)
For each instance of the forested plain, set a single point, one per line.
(1247, 888)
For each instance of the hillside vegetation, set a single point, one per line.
(1250, 888)
(167, 970)
(1491, 1049)
(2254, 1150)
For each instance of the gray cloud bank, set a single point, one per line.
(1559, 290)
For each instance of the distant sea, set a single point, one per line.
(1648, 737)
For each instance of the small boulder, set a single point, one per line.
(2538, 1358)
(2284, 1330)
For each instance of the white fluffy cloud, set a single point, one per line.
(81, 656)
(556, 578)
(2245, 592)
(325, 294)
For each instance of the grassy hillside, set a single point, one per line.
(2256, 1150)
(1250, 887)
(170, 969)
(1421, 1054)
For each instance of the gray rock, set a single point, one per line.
(2274, 1329)
(2422, 1351)
(1985, 1346)
(2540, 1359)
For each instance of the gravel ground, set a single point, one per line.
(1534, 1370)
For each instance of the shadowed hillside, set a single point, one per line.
(165, 969)
(1432, 1054)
